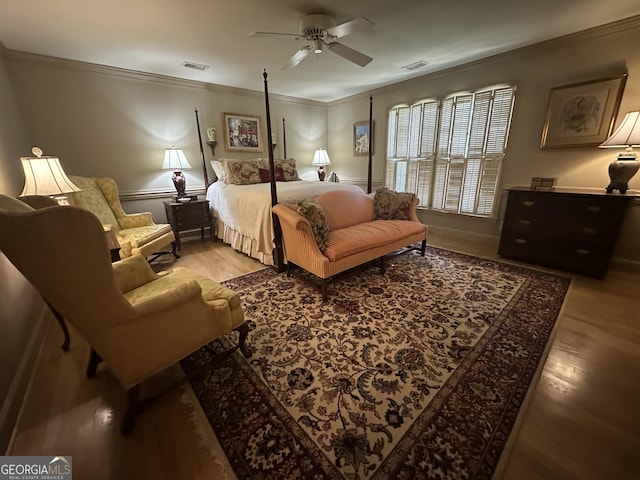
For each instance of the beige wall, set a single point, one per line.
(600, 53)
(21, 310)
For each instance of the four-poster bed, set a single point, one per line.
(242, 213)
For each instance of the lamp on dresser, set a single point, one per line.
(45, 176)
(174, 159)
(625, 166)
(320, 159)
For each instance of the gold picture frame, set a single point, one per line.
(242, 133)
(582, 114)
(362, 138)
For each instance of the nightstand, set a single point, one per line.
(188, 216)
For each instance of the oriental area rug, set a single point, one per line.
(415, 374)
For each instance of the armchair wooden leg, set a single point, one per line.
(243, 330)
(63, 327)
(423, 248)
(133, 395)
(383, 265)
(174, 249)
(325, 294)
(94, 361)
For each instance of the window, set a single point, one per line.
(449, 152)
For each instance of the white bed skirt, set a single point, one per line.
(241, 243)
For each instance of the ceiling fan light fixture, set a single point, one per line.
(317, 46)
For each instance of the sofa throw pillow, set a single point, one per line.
(318, 220)
(391, 205)
(240, 172)
(288, 169)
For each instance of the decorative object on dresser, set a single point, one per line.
(320, 160)
(45, 176)
(569, 230)
(174, 159)
(623, 168)
(582, 114)
(543, 183)
(191, 215)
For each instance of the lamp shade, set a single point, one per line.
(45, 176)
(321, 157)
(627, 134)
(174, 159)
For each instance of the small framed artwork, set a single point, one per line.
(582, 114)
(242, 133)
(362, 138)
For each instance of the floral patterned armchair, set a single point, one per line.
(137, 321)
(136, 232)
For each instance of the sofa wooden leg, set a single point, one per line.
(94, 361)
(325, 293)
(383, 265)
(243, 330)
(133, 395)
(423, 248)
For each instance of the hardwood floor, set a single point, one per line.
(582, 420)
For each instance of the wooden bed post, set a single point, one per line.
(204, 162)
(370, 143)
(284, 140)
(278, 253)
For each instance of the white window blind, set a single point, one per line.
(449, 152)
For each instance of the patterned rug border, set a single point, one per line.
(445, 398)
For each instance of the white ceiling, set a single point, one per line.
(157, 36)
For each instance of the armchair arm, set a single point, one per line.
(174, 297)
(131, 220)
(132, 272)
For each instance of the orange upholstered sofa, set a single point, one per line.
(353, 236)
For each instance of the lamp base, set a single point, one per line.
(621, 170)
(180, 182)
(321, 173)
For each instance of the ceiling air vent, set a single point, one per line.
(195, 66)
(416, 65)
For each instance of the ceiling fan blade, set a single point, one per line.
(349, 53)
(275, 34)
(359, 24)
(297, 58)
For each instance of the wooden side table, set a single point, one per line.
(190, 215)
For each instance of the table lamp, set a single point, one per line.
(320, 159)
(625, 166)
(174, 159)
(45, 176)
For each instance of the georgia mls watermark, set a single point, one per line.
(35, 468)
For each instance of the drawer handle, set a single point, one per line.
(524, 222)
(590, 230)
(583, 251)
(520, 241)
(528, 203)
(594, 209)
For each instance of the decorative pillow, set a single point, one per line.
(318, 220)
(391, 205)
(216, 165)
(265, 175)
(240, 172)
(288, 169)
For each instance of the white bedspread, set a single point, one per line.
(246, 209)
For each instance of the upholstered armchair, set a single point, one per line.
(136, 321)
(136, 232)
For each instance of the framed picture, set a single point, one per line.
(582, 114)
(242, 133)
(362, 138)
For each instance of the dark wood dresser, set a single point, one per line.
(563, 229)
(188, 216)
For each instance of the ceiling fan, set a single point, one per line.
(321, 30)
